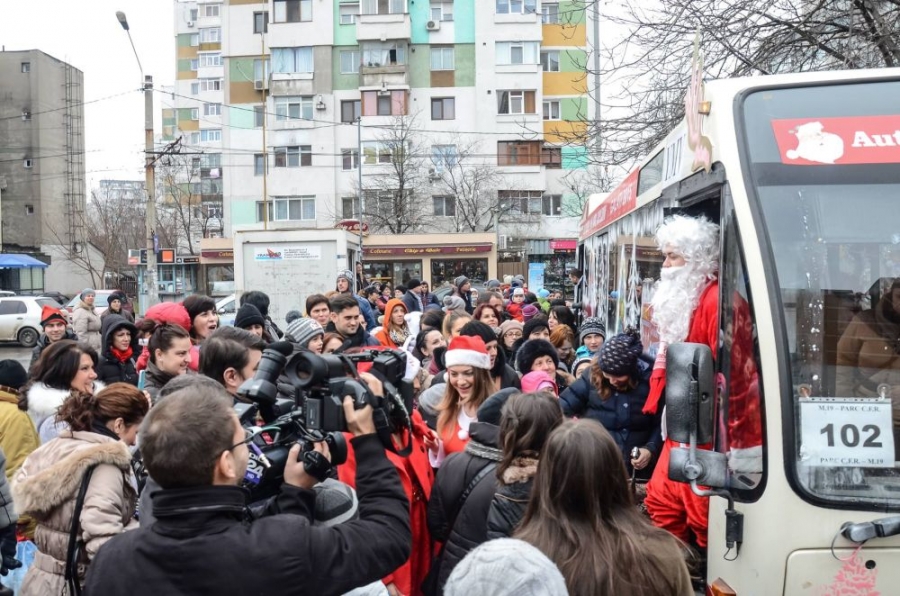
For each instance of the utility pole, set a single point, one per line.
(597, 69)
(265, 75)
(150, 284)
(359, 164)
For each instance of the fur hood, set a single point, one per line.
(42, 491)
(522, 470)
(43, 401)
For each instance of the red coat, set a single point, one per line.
(418, 478)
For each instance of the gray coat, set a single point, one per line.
(8, 514)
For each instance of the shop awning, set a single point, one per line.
(19, 261)
(563, 244)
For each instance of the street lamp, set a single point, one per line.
(150, 285)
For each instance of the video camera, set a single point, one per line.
(299, 398)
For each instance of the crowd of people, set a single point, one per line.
(528, 434)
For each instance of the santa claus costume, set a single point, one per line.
(685, 308)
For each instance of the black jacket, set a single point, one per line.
(410, 302)
(110, 369)
(200, 543)
(361, 339)
(43, 342)
(620, 414)
(155, 379)
(470, 526)
(509, 502)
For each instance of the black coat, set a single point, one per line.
(508, 508)
(110, 369)
(410, 302)
(620, 414)
(200, 543)
(43, 342)
(470, 526)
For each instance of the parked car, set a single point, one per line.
(100, 302)
(20, 318)
(227, 309)
(58, 296)
(7, 293)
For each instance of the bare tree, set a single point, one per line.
(650, 63)
(116, 225)
(188, 207)
(464, 184)
(581, 184)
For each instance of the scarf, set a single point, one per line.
(102, 429)
(122, 355)
(399, 336)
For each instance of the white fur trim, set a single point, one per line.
(43, 401)
(460, 357)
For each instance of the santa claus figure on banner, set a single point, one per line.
(685, 309)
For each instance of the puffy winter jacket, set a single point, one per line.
(110, 369)
(383, 336)
(511, 498)
(86, 324)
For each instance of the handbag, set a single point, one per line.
(74, 548)
(430, 585)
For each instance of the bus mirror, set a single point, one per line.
(709, 468)
(690, 389)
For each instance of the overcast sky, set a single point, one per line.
(86, 34)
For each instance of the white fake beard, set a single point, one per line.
(674, 301)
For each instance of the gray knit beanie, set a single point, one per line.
(454, 303)
(291, 316)
(301, 331)
(506, 567)
(590, 326)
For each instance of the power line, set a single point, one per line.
(76, 104)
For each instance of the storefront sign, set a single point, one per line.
(535, 276)
(838, 141)
(187, 260)
(563, 245)
(217, 254)
(374, 251)
(619, 202)
(288, 253)
(166, 256)
(352, 225)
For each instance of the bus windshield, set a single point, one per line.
(823, 162)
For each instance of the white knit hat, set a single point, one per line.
(506, 567)
(467, 351)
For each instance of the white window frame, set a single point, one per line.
(515, 97)
(195, 87)
(282, 205)
(346, 16)
(377, 153)
(25, 67)
(354, 61)
(211, 84)
(210, 59)
(377, 53)
(280, 11)
(442, 53)
(28, 163)
(211, 10)
(293, 153)
(195, 64)
(516, 6)
(211, 35)
(444, 157)
(548, 17)
(195, 113)
(548, 109)
(212, 135)
(212, 109)
(303, 104)
(444, 201)
(353, 154)
(194, 137)
(443, 108)
(354, 208)
(195, 40)
(371, 7)
(439, 8)
(259, 164)
(546, 63)
(295, 60)
(193, 14)
(530, 52)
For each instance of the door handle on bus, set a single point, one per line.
(879, 528)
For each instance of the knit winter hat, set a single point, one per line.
(460, 281)
(518, 292)
(506, 567)
(507, 326)
(619, 355)
(291, 316)
(529, 311)
(543, 293)
(454, 303)
(48, 313)
(534, 324)
(533, 349)
(589, 326)
(336, 502)
(413, 284)
(12, 374)
(248, 315)
(345, 274)
(87, 292)
(114, 296)
(493, 284)
(467, 351)
(301, 331)
(579, 362)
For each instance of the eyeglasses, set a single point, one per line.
(513, 334)
(248, 438)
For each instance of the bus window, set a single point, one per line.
(831, 215)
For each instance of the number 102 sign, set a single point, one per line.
(846, 433)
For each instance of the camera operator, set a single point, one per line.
(195, 448)
(230, 356)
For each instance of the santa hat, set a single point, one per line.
(48, 314)
(467, 351)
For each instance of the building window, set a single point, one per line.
(211, 10)
(349, 208)
(519, 153)
(444, 206)
(210, 135)
(293, 157)
(29, 209)
(388, 53)
(350, 62)
(259, 116)
(441, 10)
(383, 6)
(261, 22)
(195, 40)
(294, 108)
(442, 58)
(516, 6)
(350, 110)
(517, 52)
(551, 205)
(375, 152)
(551, 157)
(349, 159)
(443, 157)
(28, 163)
(259, 164)
(195, 87)
(384, 105)
(515, 102)
(193, 14)
(549, 13)
(212, 109)
(195, 113)
(443, 108)
(292, 60)
(349, 12)
(288, 209)
(211, 160)
(210, 84)
(210, 59)
(26, 67)
(551, 110)
(195, 64)
(26, 115)
(550, 61)
(261, 69)
(522, 201)
(293, 11)
(211, 35)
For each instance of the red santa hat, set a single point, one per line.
(467, 351)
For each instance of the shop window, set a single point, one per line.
(446, 270)
(394, 272)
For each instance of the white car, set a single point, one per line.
(20, 318)
(227, 309)
(101, 304)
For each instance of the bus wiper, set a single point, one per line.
(879, 528)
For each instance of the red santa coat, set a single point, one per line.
(672, 505)
(418, 478)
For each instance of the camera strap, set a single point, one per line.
(385, 431)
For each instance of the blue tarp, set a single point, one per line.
(19, 261)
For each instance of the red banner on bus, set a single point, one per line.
(838, 141)
(618, 203)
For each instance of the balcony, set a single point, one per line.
(382, 77)
(379, 27)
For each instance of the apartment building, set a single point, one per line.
(285, 93)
